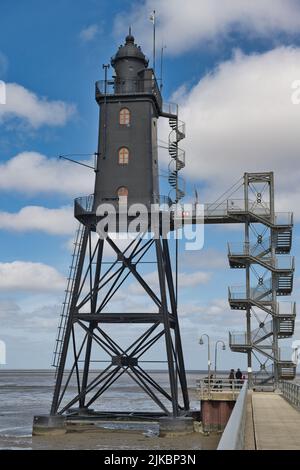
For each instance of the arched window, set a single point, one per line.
(124, 117)
(122, 193)
(123, 156)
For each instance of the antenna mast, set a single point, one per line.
(153, 19)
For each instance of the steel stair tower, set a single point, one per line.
(264, 255)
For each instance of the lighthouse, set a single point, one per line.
(130, 105)
(126, 171)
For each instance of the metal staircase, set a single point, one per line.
(264, 256)
(283, 241)
(240, 256)
(286, 323)
(285, 284)
(68, 296)
(177, 155)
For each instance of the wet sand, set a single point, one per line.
(106, 440)
(25, 394)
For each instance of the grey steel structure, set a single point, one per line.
(264, 255)
(127, 171)
(127, 166)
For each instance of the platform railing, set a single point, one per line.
(247, 249)
(238, 205)
(237, 338)
(286, 309)
(284, 218)
(170, 108)
(213, 384)
(129, 87)
(291, 392)
(256, 293)
(86, 203)
(285, 354)
(280, 262)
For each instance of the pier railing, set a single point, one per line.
(291, 391)
(208, 387)
(233, 437)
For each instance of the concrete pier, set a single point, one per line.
(215, 414)
(49, 425)
(276, 423)
(169, 426)
(88, 421)
(217, 401)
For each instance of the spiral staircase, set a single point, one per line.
(177, 162)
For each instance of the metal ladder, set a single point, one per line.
(68, 296)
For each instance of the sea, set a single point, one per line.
(26, 393)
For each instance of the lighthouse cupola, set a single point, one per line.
(129, 62)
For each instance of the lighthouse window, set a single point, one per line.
(123, 156)
(123, 192)
(124, 117)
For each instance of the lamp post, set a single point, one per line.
(208, 356)
(216, 352)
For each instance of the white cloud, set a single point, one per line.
(89, 33)
(240, 118)
(193, 279)
(36, 317)
(215, 314)
(8, 309)
(185, 25)
(185, 280)
(30, 277)
(31, 172)
(31, 218)
(206, 258)
(33, 110)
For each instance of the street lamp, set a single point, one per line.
(216, 352)
(208, 355)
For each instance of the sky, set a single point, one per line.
(230, 65)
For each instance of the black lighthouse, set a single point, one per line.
(89, 356)
(130, 105)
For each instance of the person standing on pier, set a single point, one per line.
(231, 377)
(239, 376)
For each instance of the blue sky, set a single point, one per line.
(230, 67)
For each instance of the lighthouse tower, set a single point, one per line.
(130, 105)
(89, 351)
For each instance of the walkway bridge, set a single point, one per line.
(264, 420)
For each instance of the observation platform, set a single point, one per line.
(231, 211)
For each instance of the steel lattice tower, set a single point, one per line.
(127, 171)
